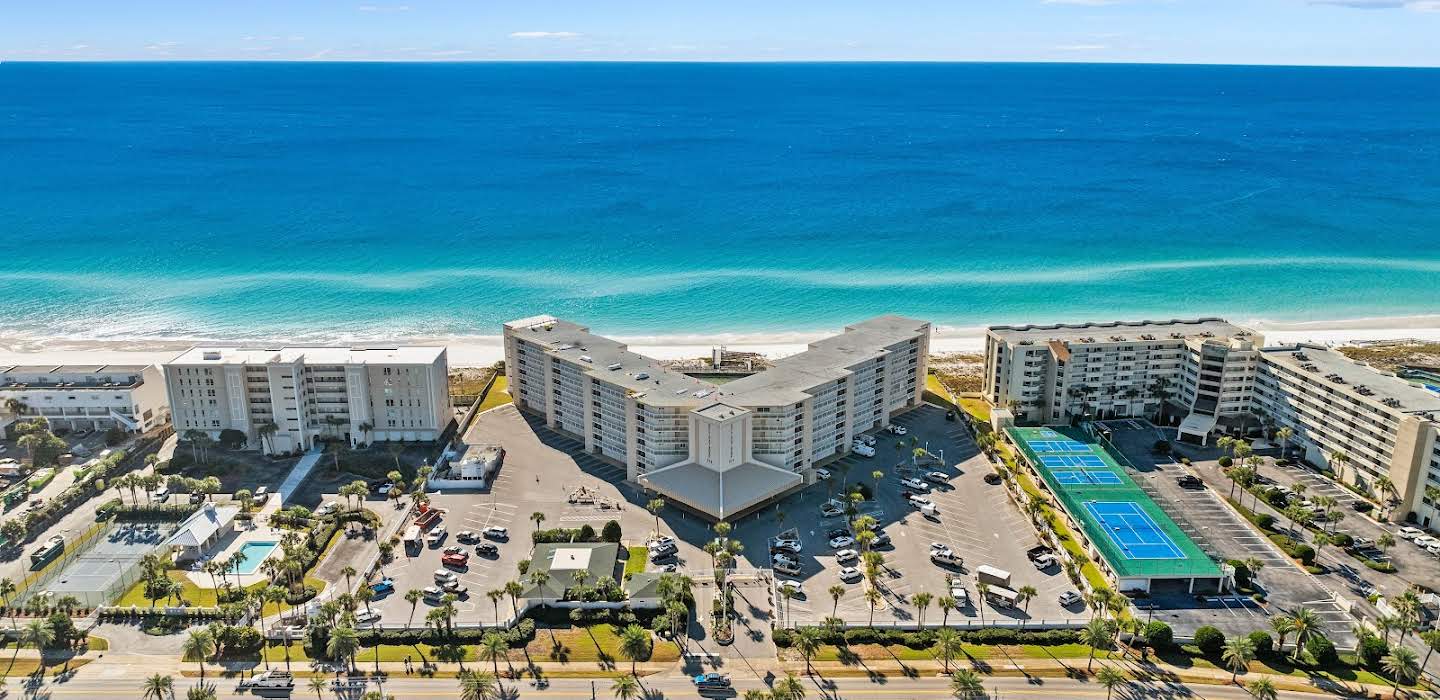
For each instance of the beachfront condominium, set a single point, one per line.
(1370, 427)
(719, 449)
(84, 397)
(1202, 369)
(1217, 378)
(284, 399)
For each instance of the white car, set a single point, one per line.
(958, 592)
(793, 546)
(1426, 541)
(328, 508)
(1044, 561)
(916, 484)
(937, 477)
(785, 560)
(367, 617)
(496, 533)
(863, 450)
(841, 542)
(917, 500)
(830, 510)
(846, 555)
(896, 429)
(939, 547)
(1069, 598)
(866, 439)
(660, 541)
(793, 587)
(443, 575)
(435, 537)
(822, 473)
(1409, 533)
(849, 573)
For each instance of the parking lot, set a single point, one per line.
(1221, 532)
(974, 518)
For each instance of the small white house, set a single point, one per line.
(202, 530)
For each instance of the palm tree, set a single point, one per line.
(317, 684)
(1095, 635)
(266, 431)
(1304, 624)
(1239, 652)
(837, 592)
(982, 590)
(1385, 541)
(946, 604)
(1023, 596)
(626, 687)
(872, 596)
(475, 685)
(947, 646)
(197, 647)
(493, 647)
(1402, 665)
(158, 687)
(495, 596)
(7, 589)
(1432, 643)
(807, 641)
(789, 688)
(206, 691)
(1284, 435)
(1110, 677)
(1262, 689)
(634, 644)
(412, 597)
(537, 517)
(922, 601)
(343, 644)
(965, 684)
(655, 506)
(513, 589)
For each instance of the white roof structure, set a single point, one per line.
(200, 527)
(325, 355)
(721, 493)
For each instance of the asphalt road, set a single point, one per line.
(96, 683)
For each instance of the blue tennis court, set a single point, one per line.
(1133, 530)
(1075, 477)
(1047, 433)
(1090, 460)
(1043, 446)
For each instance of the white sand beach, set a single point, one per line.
(483, 350)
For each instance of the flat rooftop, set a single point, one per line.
(1103, 332)
(323, 355)
(613, 362)
(1352, 376)
(72, 376)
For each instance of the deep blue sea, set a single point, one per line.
(382, 200)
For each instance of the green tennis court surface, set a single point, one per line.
(1136, 537)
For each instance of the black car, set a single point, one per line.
(1190, 481)
(881, 539)
(486, 549)
(837, 532)
(949, 415)
(992, 478)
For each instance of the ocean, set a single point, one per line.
(335, 201)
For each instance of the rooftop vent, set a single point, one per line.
(586, 358)
(1176, 335)
(1364, 390)
(1392, 402)
(614, 366)
(211, 355)
(643, 375)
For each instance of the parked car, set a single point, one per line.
(830, 510)
(917, 500)
(455, 556)
(1409, 533)
(435, 537)
(841, 542)
(916, 484)
(866, 439)
(793, 587)
(1190, 481)
(822, 473)
(957, 591)
(992, 478)
(455, 587)
(658, 541)
(846, 555)
(782, 558)
(485, 549)
(718, 680)
(849, 573)
(863, 450)
(496, 533)
(466, 536)
(937, 477)
(1045, 561)
(787, 546)
(1069, 598)
(894, 429)
(367, 617)
(837, 532)
(383, 586)
(881, 540)
(432, 593)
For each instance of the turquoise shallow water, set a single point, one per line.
(323, 201)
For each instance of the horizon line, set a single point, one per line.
(737, 61)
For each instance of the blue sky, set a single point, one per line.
(1327, 32)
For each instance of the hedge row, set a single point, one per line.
(585, 533)
(923, 639)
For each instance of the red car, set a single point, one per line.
(455, 556)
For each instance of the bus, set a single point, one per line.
(47, 552)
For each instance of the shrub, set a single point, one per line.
(1158, 635)
(1371, 650)
(1322, 651)
(1382, 566)
(114, 436)
(1242, 573)
(1364, 506)
(1264, 643)
(1342, 539)
(782, 638)
(1162, 447)
(1209, 640)
(1226, 461)
(1264, 521)
(232, 439)
(611, 532)
(1185, 461)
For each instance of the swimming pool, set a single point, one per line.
(255, 552)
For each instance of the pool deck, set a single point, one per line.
(238, 539)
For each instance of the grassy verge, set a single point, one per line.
(598, 643)
(977, 408)
(498, 396)
(197, 596)
(12, 667)
(636, 562)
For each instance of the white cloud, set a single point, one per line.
(544, 35)
(1082, 47)
(384, 8)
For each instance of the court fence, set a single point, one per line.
(37, 583)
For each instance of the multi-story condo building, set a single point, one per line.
(719, 449)
(1216, 377)
(85, 397)
(285, 398)
(1368, 426)
(1056, 373)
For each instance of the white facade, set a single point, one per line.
(1223, 380)
(86, 397)
(399, 393)
(797, 415)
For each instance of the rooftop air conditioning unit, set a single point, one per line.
(614, 366)
(586, 358)
(211, 355)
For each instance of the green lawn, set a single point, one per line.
(197, 596)
(498, 395)
(636, 562)
(586, 644)
(977, 408)
(935, 386)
